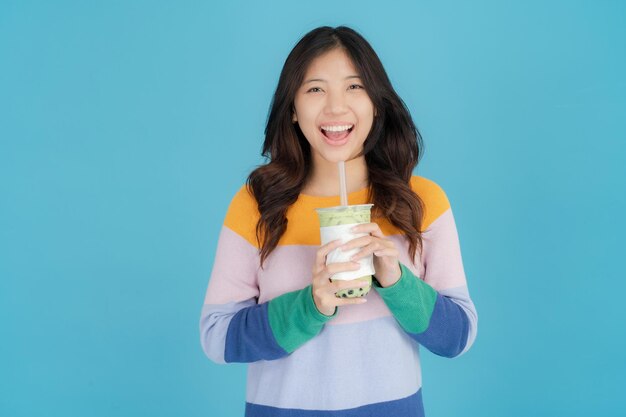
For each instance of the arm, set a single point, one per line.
(233, 327)
(247, 332)
(432, 319)
(436, 311)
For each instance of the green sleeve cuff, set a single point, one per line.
(294, 318)
(410, 300)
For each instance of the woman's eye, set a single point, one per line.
(356, 86)
(314, 90)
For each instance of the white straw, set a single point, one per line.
(342, 183)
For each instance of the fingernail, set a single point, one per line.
(362, 300)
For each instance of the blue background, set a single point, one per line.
(126, 127)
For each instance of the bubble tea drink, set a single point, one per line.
(335, 223)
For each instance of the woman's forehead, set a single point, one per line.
(331, 65)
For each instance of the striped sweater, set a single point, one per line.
(362, 361)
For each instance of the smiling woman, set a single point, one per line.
(271, 302)
(329, 76)
(333, 110)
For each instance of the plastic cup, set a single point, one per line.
(335, 223)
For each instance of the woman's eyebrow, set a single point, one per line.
(312, 80)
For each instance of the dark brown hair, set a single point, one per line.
(392, 148)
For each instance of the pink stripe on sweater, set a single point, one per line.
(234, 275)
(237, 277)
(441, 257)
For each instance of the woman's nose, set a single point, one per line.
(335, 103)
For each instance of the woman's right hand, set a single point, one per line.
(324, 289)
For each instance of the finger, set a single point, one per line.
(335, 268)
(357, 243)
(368, 241)
(335, 301)
(371, 228)
(327, 293)
(391, 252)
(367, 251)
(322, 277)
(323, 251)
(380, 247)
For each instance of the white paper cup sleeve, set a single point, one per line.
(342, 232)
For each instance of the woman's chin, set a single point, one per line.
(339, 156)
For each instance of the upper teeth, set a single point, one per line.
(336, 128)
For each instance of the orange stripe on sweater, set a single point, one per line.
(243, 213)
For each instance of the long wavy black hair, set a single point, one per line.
(392, 148)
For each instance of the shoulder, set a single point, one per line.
(243, 215)
(433, 196)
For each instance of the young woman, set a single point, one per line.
(270, 301)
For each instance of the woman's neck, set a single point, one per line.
(324, 178)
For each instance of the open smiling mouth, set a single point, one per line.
(336, 135)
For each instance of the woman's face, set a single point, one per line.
(333, 109)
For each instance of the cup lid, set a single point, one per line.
(348, 207)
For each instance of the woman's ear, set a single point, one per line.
(294, 118)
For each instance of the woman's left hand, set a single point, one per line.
(384, 250)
